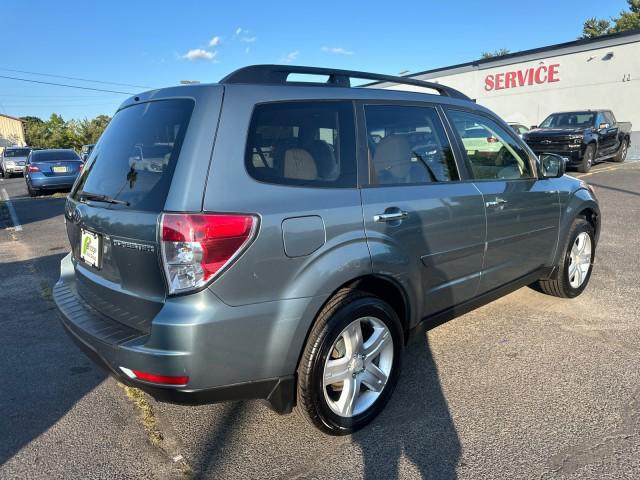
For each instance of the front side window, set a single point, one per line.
(303, 143)
(492, 152)
(407, 145)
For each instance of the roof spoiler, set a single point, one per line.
(278, 74)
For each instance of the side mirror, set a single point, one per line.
(553, 166)
(533, 127)
(603, 126)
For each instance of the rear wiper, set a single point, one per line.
(99, 197)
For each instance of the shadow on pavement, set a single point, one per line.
(43, 375)
(415, 425)
(32, 210)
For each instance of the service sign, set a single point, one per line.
(523, 77)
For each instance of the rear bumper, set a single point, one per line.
(229, 353)
(278, 392)
(41, 181)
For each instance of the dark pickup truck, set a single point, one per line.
(582, 137)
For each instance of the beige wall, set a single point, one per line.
(586, 80)
(11, 132)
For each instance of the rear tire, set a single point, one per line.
(573, 272)
(587, 159)
(622, 153)
(332, 365)
(32, 192)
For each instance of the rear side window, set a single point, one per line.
(303, 143)
(407, 145)
(137, 154)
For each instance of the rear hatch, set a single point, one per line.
(114, 209)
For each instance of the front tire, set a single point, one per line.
(587, 159)
(350, 364)
(574, 269)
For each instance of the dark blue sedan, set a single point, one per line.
(52, 170)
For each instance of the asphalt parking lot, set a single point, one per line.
(528, 386)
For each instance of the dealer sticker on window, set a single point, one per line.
(90, 248)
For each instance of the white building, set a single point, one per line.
(527, 86)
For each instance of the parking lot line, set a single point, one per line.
(12, 212)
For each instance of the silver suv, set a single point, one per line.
(272, 239)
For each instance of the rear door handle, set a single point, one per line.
(390, 217)
(496, 203)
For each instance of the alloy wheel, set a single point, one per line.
(358, 367)
(579, 260)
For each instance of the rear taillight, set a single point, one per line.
(197, 247)
(492, 140)
(154, 378)
(34, 168)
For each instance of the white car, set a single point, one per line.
(13, 160)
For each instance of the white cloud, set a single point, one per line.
(246, 50)
(196, 54)
(337, 50)
(214, 42)
(248, 39)
(238, 31)
(290, 57)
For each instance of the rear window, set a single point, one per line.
(16, 152)
(53, 155)
(303, 143)
(136, 156)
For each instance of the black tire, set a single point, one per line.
(6, 174)
(32, 192)
(587, 159)
(622, 152)
(559, 285)
(345, 307)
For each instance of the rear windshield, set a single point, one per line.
(54, 155)
(16, 152)
(137, 154)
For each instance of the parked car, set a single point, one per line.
(519, 128)
(13, 160)
(51, 170)
(582, 138)
(282, 253)
(86, 151)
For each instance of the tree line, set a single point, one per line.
(59, 133)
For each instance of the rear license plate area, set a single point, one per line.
(91, 248)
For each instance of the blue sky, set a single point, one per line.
(159, 43)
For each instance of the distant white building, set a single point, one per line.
(11, 132)
(527, 86)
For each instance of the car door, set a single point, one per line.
(606, 136)
(422, 223)
(522, 212)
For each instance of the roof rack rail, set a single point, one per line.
(278, 74)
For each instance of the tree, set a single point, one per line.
(595, 27)
(496, 53)
(628, 20)
(58, 133)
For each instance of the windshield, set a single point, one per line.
(570, 120)
(16, 152)
(53, 155)
(137, 154)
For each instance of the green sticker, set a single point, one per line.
(85, 245)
